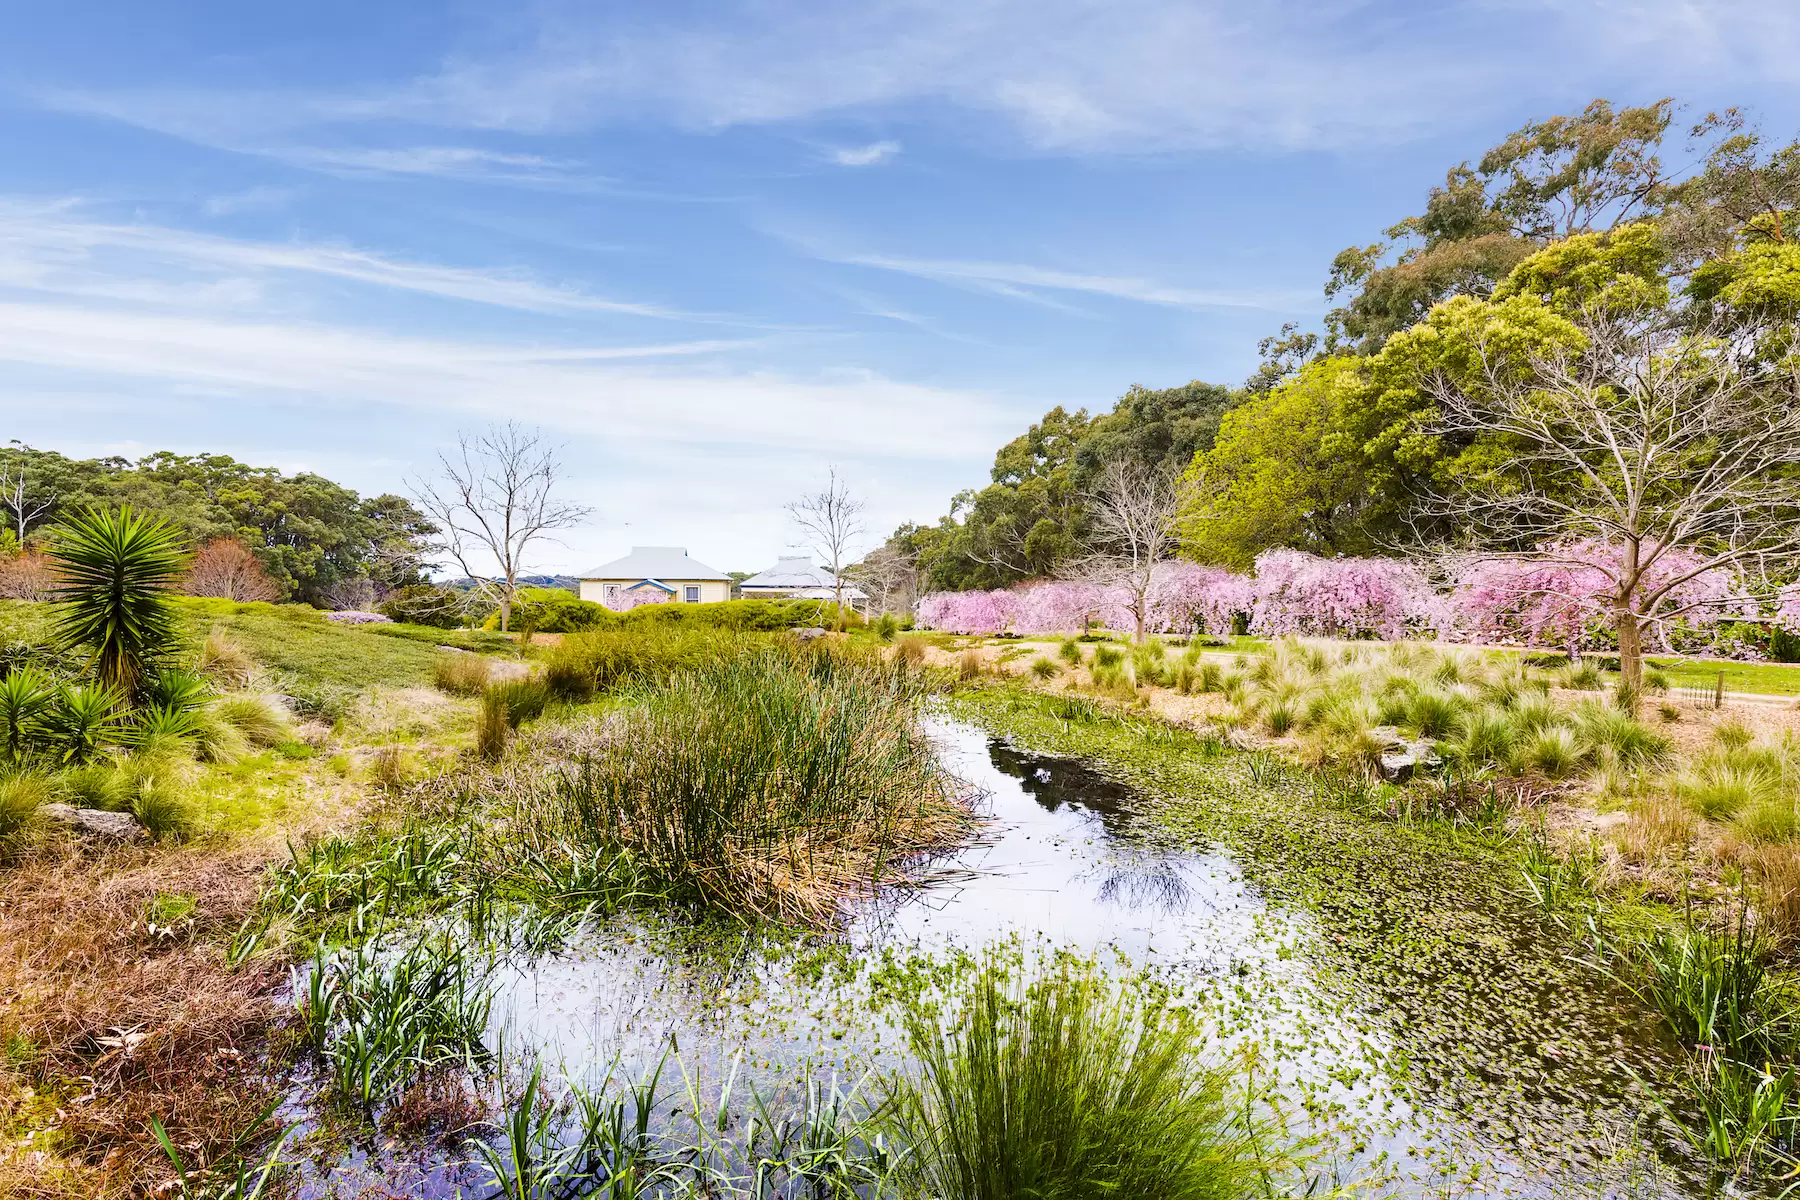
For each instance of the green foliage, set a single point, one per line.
(1274, 477)
(493, 726)
(313, 656)
(160, 803)
(1043, 668)
(554, 610)
(84, 718)
(116, 571)
(742, 616)
(308, 532)
(1070, 1086)
(25, 698)
(259, 719)
(606, 660)
(461, 674)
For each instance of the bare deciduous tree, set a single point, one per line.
(830, 521)
(1673, 448)
(494, 501)
(224, 568)
(16, 498)
(890, 576)
(1136, 517)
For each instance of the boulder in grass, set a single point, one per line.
(810, 633)
(108, 826)
(352, 617)
(1400, 764)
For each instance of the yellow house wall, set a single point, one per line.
(711, 590)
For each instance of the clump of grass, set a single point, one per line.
(1044, 668)
(1732, 734)
(493, 726)
(1722, 781)
(1714, 987)
(1618, 735)
(969, 666)
(910, 650)
(161, 805)
(772, 782)
(1554, 751)
(1070, 652)
(1434, 714)
(216, 739)
(1656, 681)
(1108, 656)
(1278, 718)
(96, 785)
(1488, 735)
(1776, 870)
(523, 699)
(461, 674)
(1770, 820)
(1583, 676)
(261, 720)
(21, 794)
(1068, 1085)
(391, 768)
(1668, 713)
(886, 626)
(225, 661)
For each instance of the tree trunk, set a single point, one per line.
(505, 612)
(1631, 653)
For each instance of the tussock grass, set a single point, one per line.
(493, 726)
(261, 720)
(461, 674)
(1068, 1085)
(910, 650)
(225, 661)
(771, 782)
(21, 794)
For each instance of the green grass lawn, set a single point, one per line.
(1773, 679)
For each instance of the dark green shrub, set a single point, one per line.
(746, 616)
(25, 697)
(423, 604)
(84, 718)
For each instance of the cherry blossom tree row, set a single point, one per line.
(1556, 598)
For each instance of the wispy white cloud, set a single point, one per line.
(251, 199)
(871, 155)
(581, 390)
(450, 162)
(1067, 75)
(1025, 282)
(48, 247)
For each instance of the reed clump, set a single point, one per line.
(607, 660)
(771, 782)
(1068, 1085)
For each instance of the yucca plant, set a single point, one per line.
(178, 689)
(115, 573)
(83, 718)
(25, 696)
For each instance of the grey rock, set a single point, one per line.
(1397, 766)
(113, 826)
(809, 634)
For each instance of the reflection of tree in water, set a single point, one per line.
(1146, 880)
(1058, 782)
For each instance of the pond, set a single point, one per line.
(1072, 860)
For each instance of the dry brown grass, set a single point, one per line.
(910, 650)
(113, 1022)
(1657, 827)
(1776, 870)
(225, 661)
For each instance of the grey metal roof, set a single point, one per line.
(655, 562)
(790, 572)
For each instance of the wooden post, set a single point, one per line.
(1719, 692)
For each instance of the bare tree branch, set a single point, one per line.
(1667, 444)
(830, 520)
(1136, 518)
(493, 503)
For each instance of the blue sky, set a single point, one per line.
(714, 248)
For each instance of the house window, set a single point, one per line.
(691, 593)
(612, 591)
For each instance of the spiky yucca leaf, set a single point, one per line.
(115, 573)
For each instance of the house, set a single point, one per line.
(797, 578)
(664, 569)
